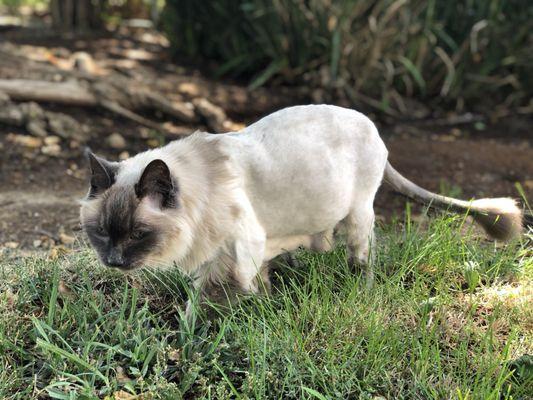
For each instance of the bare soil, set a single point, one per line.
(39, 193)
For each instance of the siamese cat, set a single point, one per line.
(219, 207)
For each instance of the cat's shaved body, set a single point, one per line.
(220, 206)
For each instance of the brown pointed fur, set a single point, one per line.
(500, 218)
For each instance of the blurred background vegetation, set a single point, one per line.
(401, 57)
(385, 53)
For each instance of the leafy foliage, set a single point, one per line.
(380, 52)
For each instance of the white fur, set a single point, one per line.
(290, 179)
(502, 205)
(286, 181)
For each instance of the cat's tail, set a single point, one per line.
(501, 218)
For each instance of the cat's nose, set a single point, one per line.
(115, 259)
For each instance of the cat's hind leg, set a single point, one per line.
(359, 225)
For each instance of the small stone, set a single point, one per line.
(37, 128)
(11, 245)
(116, 141)
(189, 88)
(152, 143)
(66, 239)
(37, 243)
(84, 62)
(124, 155)
(66, 127)
(145, 132)
(32, 111)
(53, 150)
(52, 140)
(10, 114)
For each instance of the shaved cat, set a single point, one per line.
(220, 206)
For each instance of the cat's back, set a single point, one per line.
(315, 122)
(300, 164)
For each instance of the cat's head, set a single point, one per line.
(128, 223)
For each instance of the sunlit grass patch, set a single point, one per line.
(448, 317)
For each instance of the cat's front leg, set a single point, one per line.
(239, 269)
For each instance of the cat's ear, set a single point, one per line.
(157, 182)
(102, 174)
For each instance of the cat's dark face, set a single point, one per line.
(119, 219)
(118, 234)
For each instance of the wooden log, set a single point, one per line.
(69, 92)
(74, 93)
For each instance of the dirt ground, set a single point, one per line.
(39, 192)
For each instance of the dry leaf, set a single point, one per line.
(57, 252)
(66, 239)
(123, 395)
(65, 291)
(122, 377)
(174, 355)
(23, 140)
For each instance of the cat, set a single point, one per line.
(219, 207)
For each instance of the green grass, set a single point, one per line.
(448, 318)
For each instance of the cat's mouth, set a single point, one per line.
(128, 268)
(123, 267)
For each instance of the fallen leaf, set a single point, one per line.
(57, 252)
(116, 141)
(66, 239)
(23, 140)
(123, 395)
(122, 377)
(65, 291)
(53, 150)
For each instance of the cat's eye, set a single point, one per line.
(138, 234)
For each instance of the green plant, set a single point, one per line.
(379, 52)
(70, 329)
